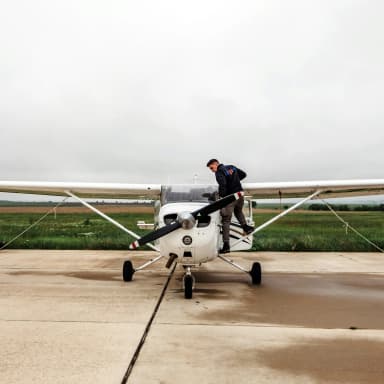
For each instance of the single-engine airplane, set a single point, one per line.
(187, 220)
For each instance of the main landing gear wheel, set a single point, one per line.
(128, 270)
(188, 282)
(255, 273)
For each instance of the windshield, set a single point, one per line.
(184, 193)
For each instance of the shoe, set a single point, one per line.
(248, 229)
(226, 248)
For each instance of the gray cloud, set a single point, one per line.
(148, 91)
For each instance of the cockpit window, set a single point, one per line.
(188, 193)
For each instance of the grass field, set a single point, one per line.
(299, 231)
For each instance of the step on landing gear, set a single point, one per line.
(128, 270)
(188, 283)
(255, 273)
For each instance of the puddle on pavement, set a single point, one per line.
(315, 301)
(338, 360)
(85, 275)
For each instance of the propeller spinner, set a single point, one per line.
(186, 219)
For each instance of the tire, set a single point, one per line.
(128, 270)
(256, 273)
(188, 286)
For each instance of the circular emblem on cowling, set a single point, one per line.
(187, 240)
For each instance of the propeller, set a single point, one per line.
(186, 220)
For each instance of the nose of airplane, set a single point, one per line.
(186, 220)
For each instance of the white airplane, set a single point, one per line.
(187, 223)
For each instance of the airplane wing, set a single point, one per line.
(86, 190)
(333, 188)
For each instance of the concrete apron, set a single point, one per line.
(66, 317)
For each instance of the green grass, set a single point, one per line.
(320, 232)
(69, 231)
(300, 231)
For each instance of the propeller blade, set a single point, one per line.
(154, 235)
(218, 204)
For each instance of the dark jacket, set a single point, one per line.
(228, 178)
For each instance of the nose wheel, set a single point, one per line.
(188, 283)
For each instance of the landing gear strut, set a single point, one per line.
(255, 272)
(128, 270)
(188, 283)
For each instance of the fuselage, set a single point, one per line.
(192, 246)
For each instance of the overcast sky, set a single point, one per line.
(148, 91)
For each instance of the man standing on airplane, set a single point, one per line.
(228, 177)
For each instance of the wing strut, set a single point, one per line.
(106, 217)
(269, 222)
(34, 224)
